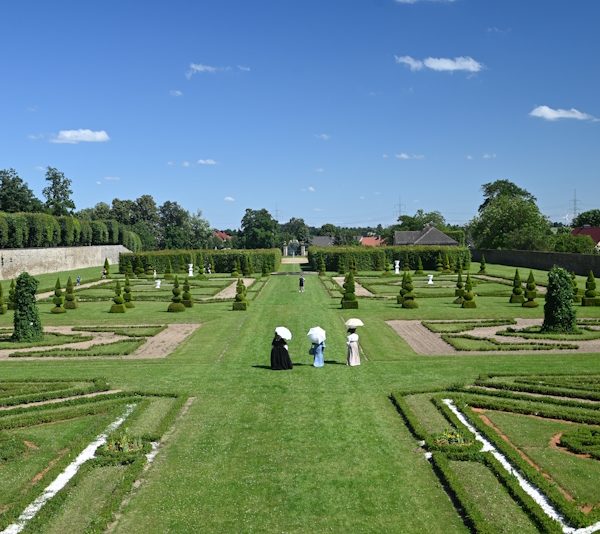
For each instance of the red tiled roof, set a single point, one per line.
(592, 231)
(222, 235)
(371, 241)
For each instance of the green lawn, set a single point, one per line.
(308, 450)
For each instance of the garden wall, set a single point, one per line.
(47, 260)
(580, 264)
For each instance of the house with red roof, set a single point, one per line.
(592, 231)
(371, 241)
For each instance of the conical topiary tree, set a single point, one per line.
(139, 268)
(341, 264)
(129, 271)
(210, 263)
(186, 298)
(591, 295)
(106, 271)
(482, 265)
(468, 295)
(11, 295)
(26, 322)
(458, 266)
(400, 296)
(246, 265)
(576, 292)
(349, 298)
(517, 291)
(240, 303)
(176, 304)
(408, 300)
(559, 315)
(127, 296)
(459, 292)
(236, 269)
(322, 266)
(169, 270)
(447, 269)
(380, 261)
(531, 292)
(439, 262)
(70, 297)
(118, 301)
(58, 298)
(387, 270)
(406, 263)
(419, 266)
(2, 305)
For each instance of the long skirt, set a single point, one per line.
(319, 360)
(353, 358)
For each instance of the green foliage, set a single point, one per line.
(176, 304)
(118, 306)
(349, 298)
(58, 193)
(11, 447)
(259, 230)
(531, 292)
(58, 299)
(235, 273)
(517, 291)
(590, 288)
(468, 295)
(70, 297)
(459, 291)
(447, 268)
(591, 217)
(247, 268)
(406, 263)
(439, 263)
(419, 265)
(240, 303)
(15, 195)
(322, 267)
(482, 265)
(581, 441)
(576, 293)
(127, 296)
(168, 268)
(408, 298)
(27, 324)
(559, 315)
(2, 305)
(11, 295)
(187, 300)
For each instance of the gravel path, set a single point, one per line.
(540, 289)
(359, 290)
(41, 296)
(229, 291)
(428, 343)
(165, 342)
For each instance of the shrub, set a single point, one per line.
(406, 263)
(176, 304)
(559, 315)
(265, 272)
(127, 296)
(400, 297)
(70, 298)
(187, 296)
(341, 266)
(482, 265)
(106, 268)
(2, 305)
(139, 267)
(246, 265)
(380, 261)
(27, 324)
(118, 306)
(439, 264)
(235, 273)
(447, 269)
(531, 292)
(58, 298)
(419, 265)
(322, 267)
(517, 291)
(169, 270)
(591, 295)
(240, 303)
(11, 295)
(409, 297)
(576, 293)
(459, 291)
(349, 298)
(468, 295)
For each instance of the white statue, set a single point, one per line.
(190, 269)
(397, 266)
(154, 274)
(429, 279)
(157, 285)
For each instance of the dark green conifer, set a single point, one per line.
(591, 295)
(11, 295)
(176, 304)
(127, 296)
(482, 265)
(559, 315)
(517, 291)
(26, 322)
(118, 306)
(58, 299)
(531, 292)
(187, 300)
(2, 305)
(349, 298)
(70, 297)
(468, 295)
(419, 266)
(169, 270)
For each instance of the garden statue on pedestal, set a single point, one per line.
(429, 279)
(27, 324)
(157, 284)
(190, 269)
(396, 266)
(58, 299)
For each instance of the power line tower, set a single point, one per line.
(575, 210)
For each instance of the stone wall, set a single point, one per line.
(580, 264)
(48, 260)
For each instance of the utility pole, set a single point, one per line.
(575, 210)
(399, 208)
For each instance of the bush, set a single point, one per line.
(58, 298)
(2, 305)
(531, 292)
(11, 295)
(591, 295)
(240, 303)
(482, 265)
(468, 295)
(419, 265)
(408, 300)
(176, 304)
(187, 296)
(70, 298)
(576, 293)
(559, 315)
(517, 292)
(349, 298)
(118, 306)
(27, 324)
(127, 296)
(459, 291)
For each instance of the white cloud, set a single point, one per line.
(549, 114)
(35, 137)
(469, 157)
(80, 136)
(441, 64)
(323, 136)
(199, 68)
(311, 189)
(207, 162)
(243, 68)
(405, 156)
(319, 169)
(185, 164)
(98, 182)
(171, 163)
(175, 92)
(112, 178)
(489, 156)
(385, 156)
(229, 199)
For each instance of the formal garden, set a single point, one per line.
(150, 390)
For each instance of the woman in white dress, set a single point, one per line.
(353, 357)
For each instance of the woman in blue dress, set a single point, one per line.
(317, 351)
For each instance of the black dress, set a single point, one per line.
(280, 357)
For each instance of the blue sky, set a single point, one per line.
(341, 111)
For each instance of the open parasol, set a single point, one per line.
(283, 332)
(353, 323)
(316, 334)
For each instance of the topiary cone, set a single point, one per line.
(517, 291)
(58, 299)
(118, 306)
(127, 296)
(468, 295)
(531, 292)
(70, 298)
(176, 304)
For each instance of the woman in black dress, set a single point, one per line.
(280, 357)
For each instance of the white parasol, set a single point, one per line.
(283, 332)
(353, 323)
(316, 334)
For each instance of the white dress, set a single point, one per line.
(353, 357)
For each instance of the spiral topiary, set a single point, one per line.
(186, 298)
(70, 297)
(468, 295)
(447, 269)
(58, 299)
(439, 263)
(236, 269)
(482, 265)
(349, 298)
(459, 292)
(400, 296)
(176, 304)
(118, 306)
(591, 295)
(531, 292)
(127, 296)
(169, 270)
(517, 291)
(408, 300)
(576, 292)
(240, 303)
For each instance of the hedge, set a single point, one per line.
(369, 258)
(222, 261)
(36, 230)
